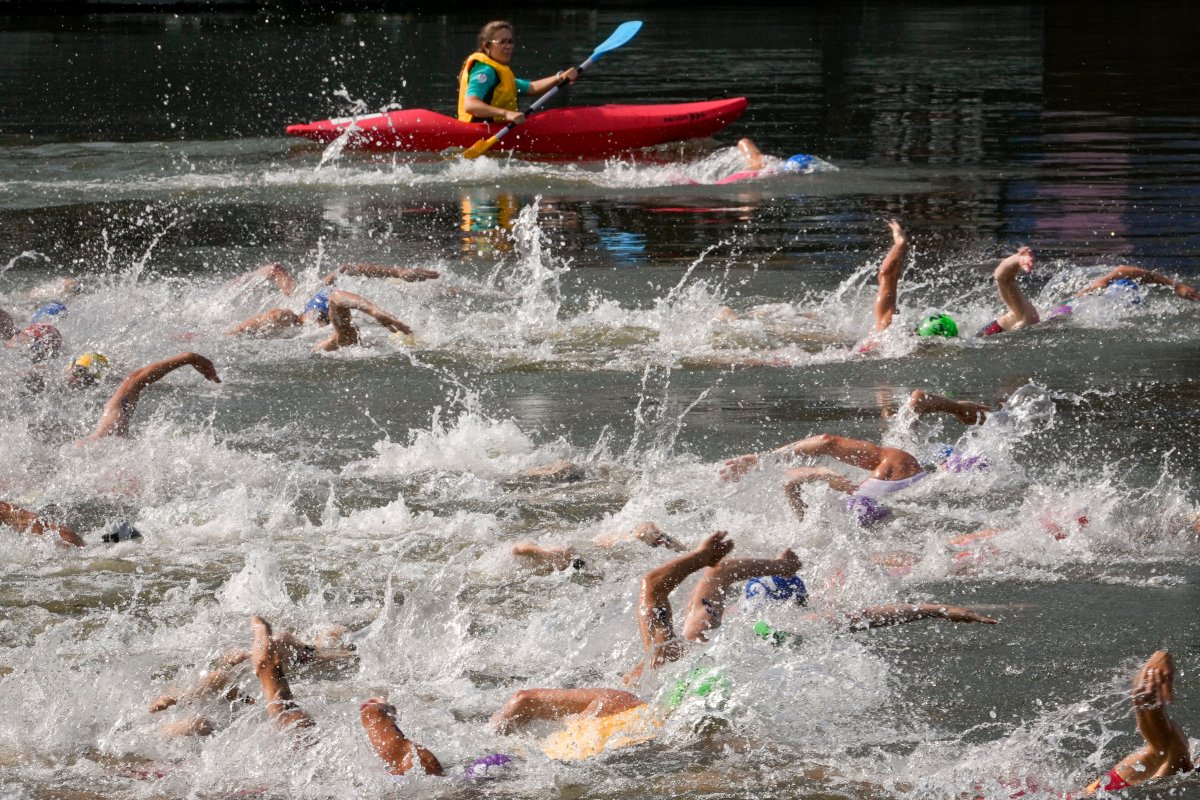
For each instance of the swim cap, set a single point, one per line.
(121, 532)
(773, 635)
(960, 462)
(485, 768)
(708, 683)
(867, 511)
(44, 340)
(320, 304)
(87, 369)
(937, 325)
(799, 163)
(1125, 289)
(49, 312)
(777, 588)
(1061, 311)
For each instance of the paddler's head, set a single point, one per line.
(496, 41)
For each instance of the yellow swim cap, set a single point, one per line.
(96, 362)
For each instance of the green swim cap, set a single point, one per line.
(773, 635)
(937, 325)
(708, 683)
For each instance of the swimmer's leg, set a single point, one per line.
(398, 752)
(890, 272)
(796, 478)
(707, 603)
(965, 411)
(529, 705)
(654, 605)
(543, 560)
(268, 666)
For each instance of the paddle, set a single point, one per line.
(624, 32)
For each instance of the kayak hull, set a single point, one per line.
(583, 131)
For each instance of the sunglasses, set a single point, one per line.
(503, 41)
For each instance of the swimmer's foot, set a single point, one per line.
(543, 560)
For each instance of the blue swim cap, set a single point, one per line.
(777, 588)
(799, 163)
(320, 304)
(1125, 289)
(867, 511)
(48, 312)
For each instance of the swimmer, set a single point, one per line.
(86, 370)
(40, 341)
(892, 470)
(326, 307)
(659, 638)
(24, 521)
(114, 420)
(222, 676)
(1021, 312)
(1166, 751)
(378, 718)
(754, 164)
(1141, 276)
(545, 560)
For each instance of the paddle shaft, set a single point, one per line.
(541, 101)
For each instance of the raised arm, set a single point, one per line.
(1166, 751)
(354, 302)
(411, 275)
(1021, 312)
(114, 421)
(1143, 276)
(29, 522)
(900, 613)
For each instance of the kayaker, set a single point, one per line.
(487, 87)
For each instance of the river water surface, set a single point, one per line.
(576, 318)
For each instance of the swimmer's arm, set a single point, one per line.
(28, 522)
(1143, 276)
(275, 272)
(120, 407)
(1153, 689)
(900, 613)
(411, 275)
(349, 300)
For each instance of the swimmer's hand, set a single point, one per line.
(1154, 685)
(205, 367)
(1187, 292)
(417, 274)
(960, 614)
(735, 468)
(394, 325)
(1025, 259)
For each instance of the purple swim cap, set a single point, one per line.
(487, 767)
(867, 511)
(959, 462)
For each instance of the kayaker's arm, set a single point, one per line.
(540, 87)
(481, 110)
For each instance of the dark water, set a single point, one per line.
(144, 155)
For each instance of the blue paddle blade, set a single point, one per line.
(624, 32)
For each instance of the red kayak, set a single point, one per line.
(584, 131)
